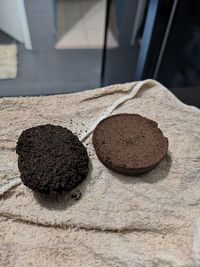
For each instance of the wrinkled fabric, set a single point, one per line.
(119, 220)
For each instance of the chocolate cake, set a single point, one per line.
(129, 143)
(51, 159)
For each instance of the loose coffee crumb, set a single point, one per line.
(76, 196)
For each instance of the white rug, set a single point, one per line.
(8, 61)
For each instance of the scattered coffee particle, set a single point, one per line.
(51, 159)
(76, 196)
(129, 143)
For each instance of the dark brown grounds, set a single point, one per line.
(51, 159)
(129, 143)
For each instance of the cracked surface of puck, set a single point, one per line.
(51, 159)
(129, 143)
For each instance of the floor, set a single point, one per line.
(52, 71)
(32, 77)
(46, 70)
(81, 24)
(29, 80)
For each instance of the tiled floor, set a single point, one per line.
(81, 24)
(51, 71)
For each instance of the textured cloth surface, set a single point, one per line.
(119, 221)
(8, 61)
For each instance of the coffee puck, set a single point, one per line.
(51, 159)
(129, 143)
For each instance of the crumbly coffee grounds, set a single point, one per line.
(129, 143)
(76, 196)
(51, 159)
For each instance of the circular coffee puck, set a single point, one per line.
(129, 143)
(51, 159)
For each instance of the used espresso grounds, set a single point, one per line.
(129, 143)
(51, 159)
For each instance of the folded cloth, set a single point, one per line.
(150, 220)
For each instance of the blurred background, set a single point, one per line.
(61, 46)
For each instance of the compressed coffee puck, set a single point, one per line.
(129, 143)
(51, 159)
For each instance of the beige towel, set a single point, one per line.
(119, 221)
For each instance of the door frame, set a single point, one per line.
(14, 21)
(24, 24)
